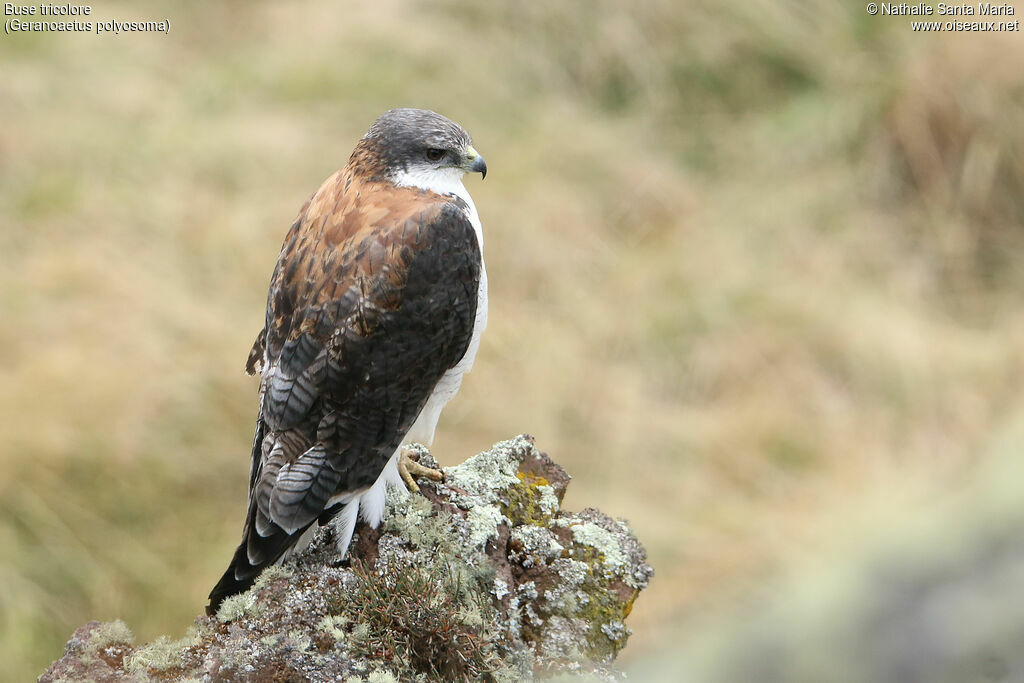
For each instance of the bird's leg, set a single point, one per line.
(409, 469)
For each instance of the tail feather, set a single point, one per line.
(256, 552)
(241, 574)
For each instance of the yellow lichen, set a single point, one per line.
(629, 605)
(530, 501)
(601, 608)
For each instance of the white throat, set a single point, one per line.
(439, 180)
(445, 182)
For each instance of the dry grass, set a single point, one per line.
(418, 622)
(749, 263)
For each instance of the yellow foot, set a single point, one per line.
(409, 469)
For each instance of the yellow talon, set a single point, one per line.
(409, 469)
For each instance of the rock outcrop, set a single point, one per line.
(483, 577)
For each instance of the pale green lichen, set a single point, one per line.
(300, 638)
(563, 598)
(471, 615)
(572, 572)
(562, 601)
(518, 667)
(271, 574)
(403, 512)
(604, 542)
(234, 607)
(334, 625)
(237, 606)
(382, 676)
(109, 633)
(565, 638)
(485, 474)
(414, 520)
(548, 501)
(483, 525)
(361, 631)
(538, 543)
(500, 589)
(162, 654)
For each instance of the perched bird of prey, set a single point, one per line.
(374, 314)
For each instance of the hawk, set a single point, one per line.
(374, 314)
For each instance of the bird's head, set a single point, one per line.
(420, 148)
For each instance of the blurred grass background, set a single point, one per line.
(753, 266)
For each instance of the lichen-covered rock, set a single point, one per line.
(483, 577)
(95, 652)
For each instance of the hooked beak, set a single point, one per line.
(475, 163)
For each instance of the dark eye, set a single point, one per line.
(435, 154)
